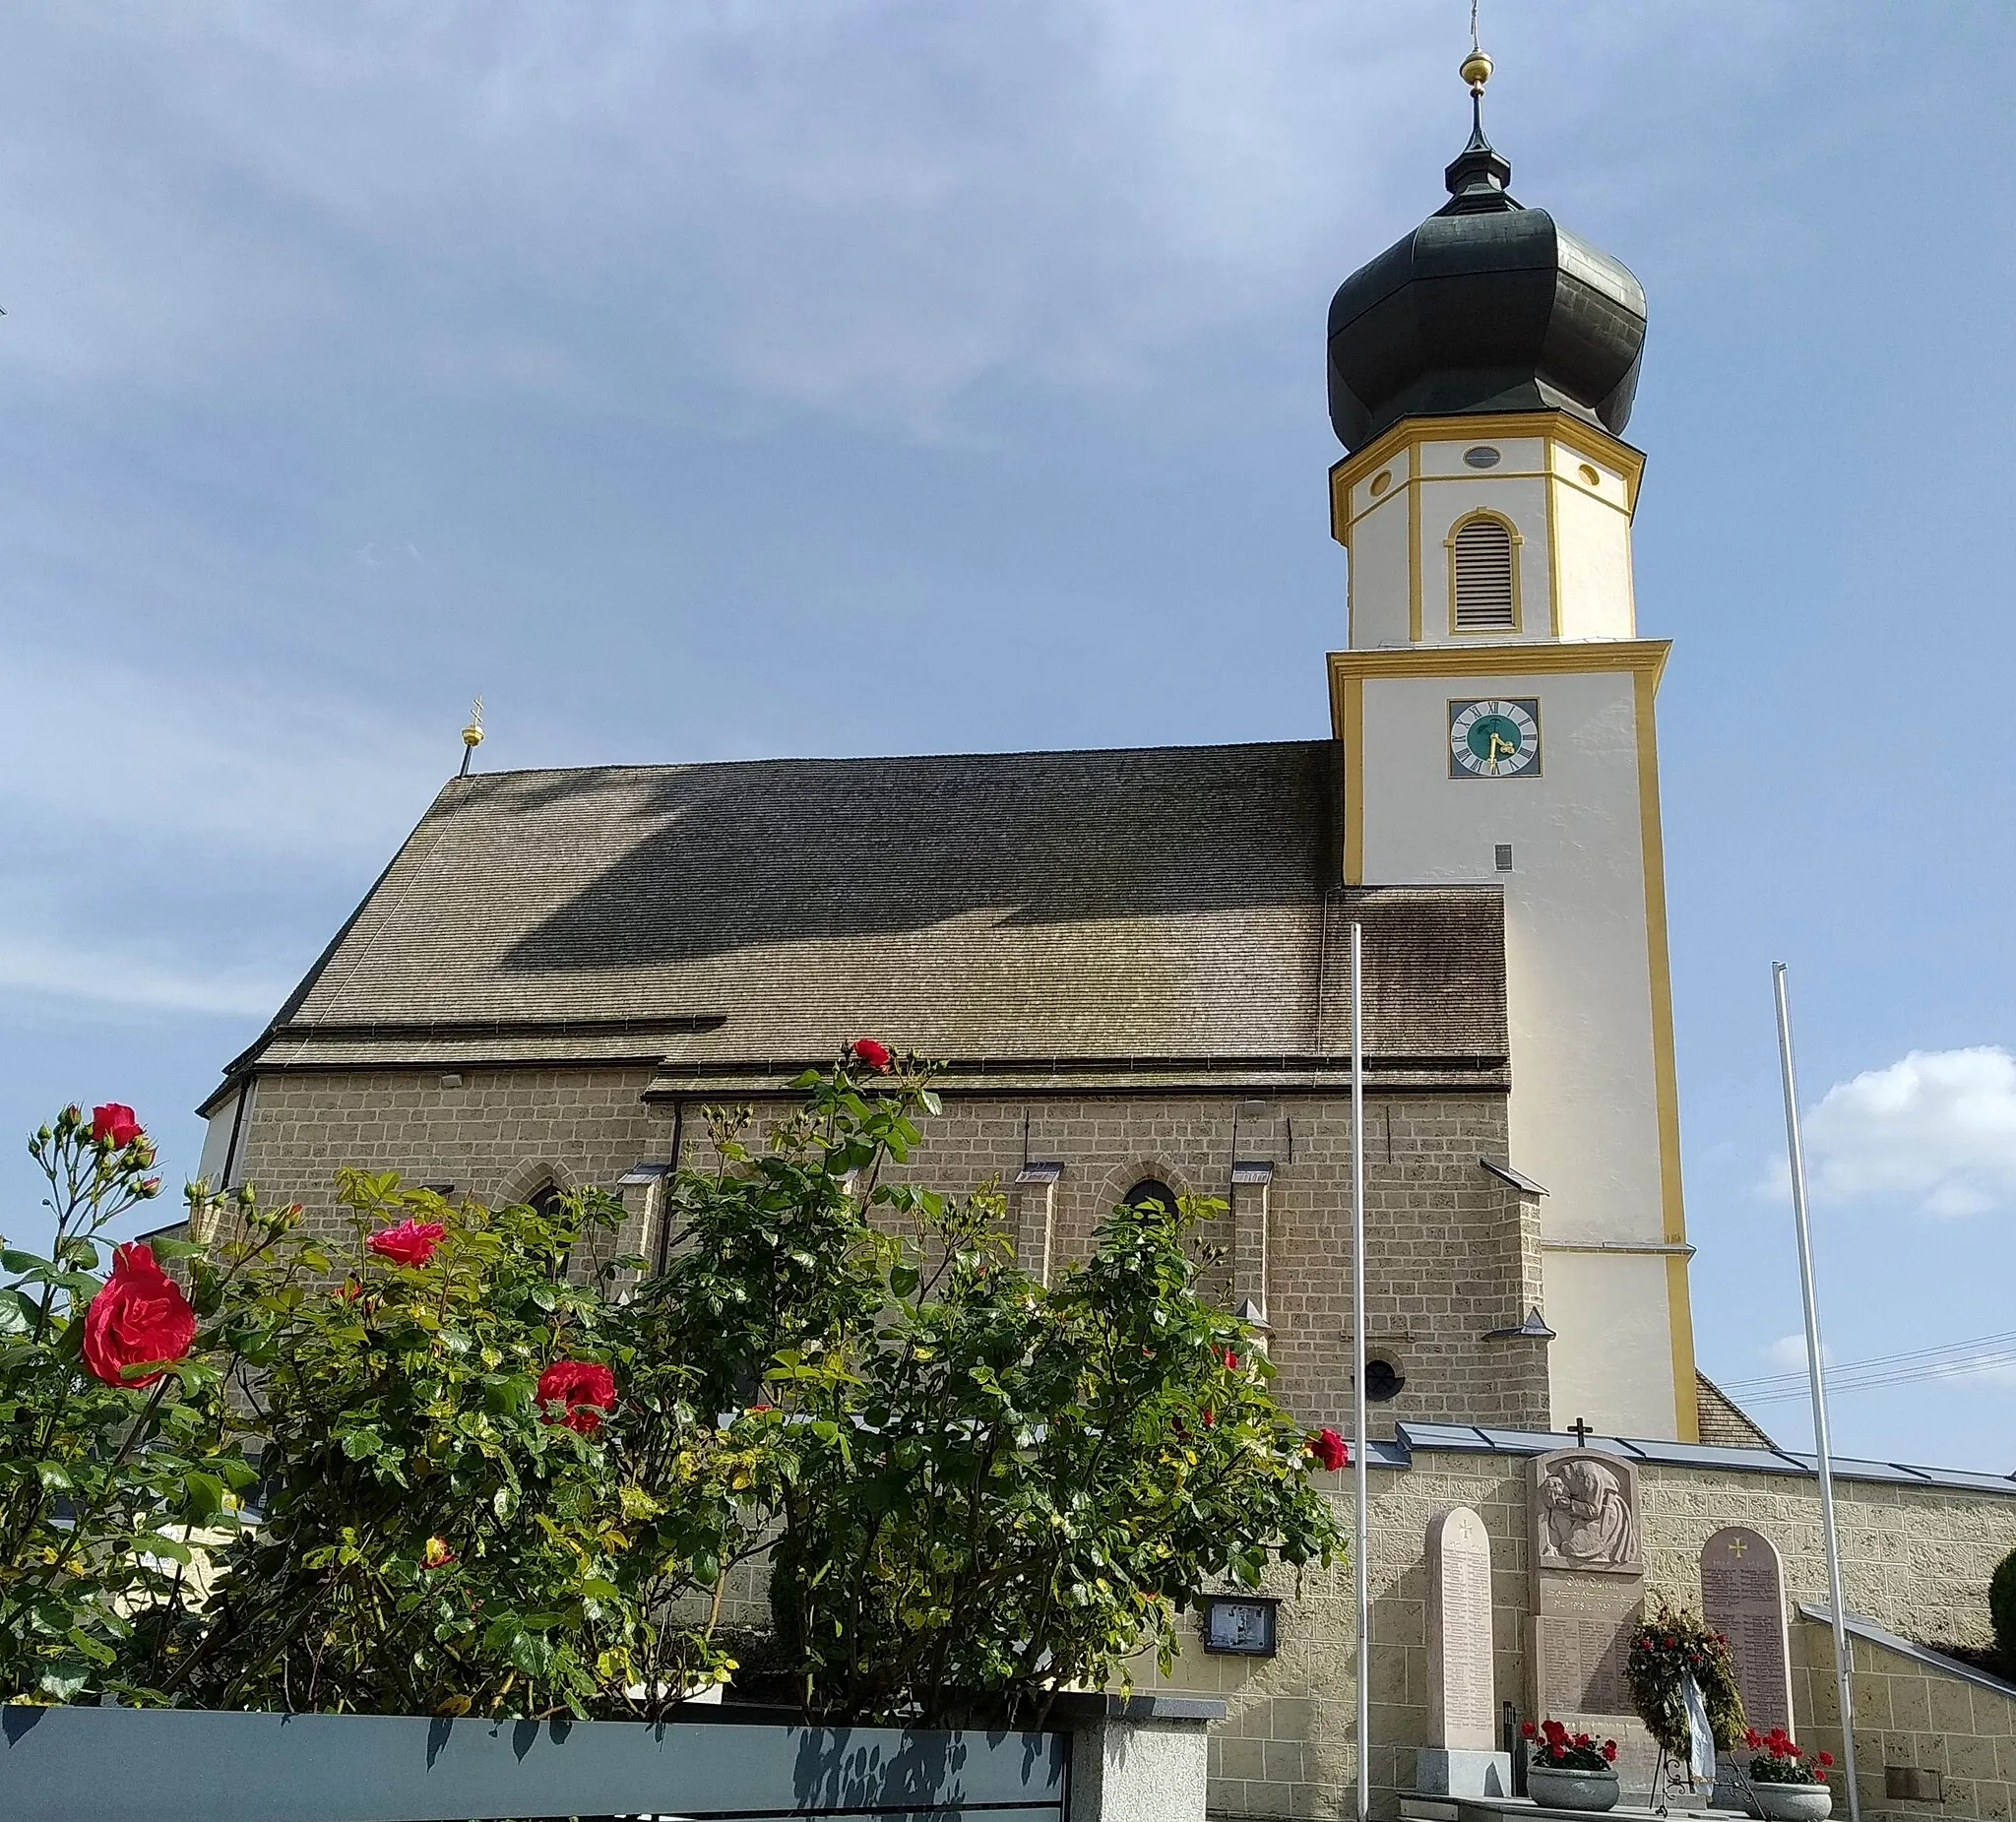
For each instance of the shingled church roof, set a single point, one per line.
(1171, 911)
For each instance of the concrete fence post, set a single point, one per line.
(1141, 1758)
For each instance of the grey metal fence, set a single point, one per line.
(180, 1765)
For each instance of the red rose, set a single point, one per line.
(867, 1050)
(1826, 1758)
(1329, 1449)
(585, 1387)
(1231, 1361)
(1609, 1749)
(113, 1124)
(412, 1242)
(140, 1315)
(1528, 1730)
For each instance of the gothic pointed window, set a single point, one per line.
(1481, 575)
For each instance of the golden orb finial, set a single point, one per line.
(1476, 70)
(471, 736)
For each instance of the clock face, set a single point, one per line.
(1497, 738)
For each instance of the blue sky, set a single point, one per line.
(862, 376)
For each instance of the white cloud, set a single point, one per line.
(1789, 1352)
(1936, 1130)
(864, 206)
(138, 982)
(111, 763)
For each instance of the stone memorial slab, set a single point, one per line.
(1588, 1582)
(1460, 1758)
(1743, 1595)
(1463, 1707)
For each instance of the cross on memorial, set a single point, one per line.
(1582, 1432)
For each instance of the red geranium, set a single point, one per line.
(113, 1124)
(412, 1242)
(875, 1055)
(1330, 1449)
(1231, 1361)
(586, 1388)
(139, 1316)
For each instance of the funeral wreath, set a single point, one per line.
(1667, 1652)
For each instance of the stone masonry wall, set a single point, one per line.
(1454, 1253)
(1914, 1559)
(1452, 1250)
(497, 1135)
(1911, 1715)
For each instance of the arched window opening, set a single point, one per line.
(1151, 1189)
(1483, 576)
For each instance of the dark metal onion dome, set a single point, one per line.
(1488, 306)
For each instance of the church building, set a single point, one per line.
(1133, 967)
(1133, 963)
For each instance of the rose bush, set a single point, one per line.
(987, 1489)
(455, 1520)
(500, 1473)
(122, 1448)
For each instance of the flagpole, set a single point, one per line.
(1822, 1449)
(1361, 1569)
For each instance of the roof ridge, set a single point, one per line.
(885, 759)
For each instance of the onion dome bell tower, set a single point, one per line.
(1488, 306)
(1494, 707)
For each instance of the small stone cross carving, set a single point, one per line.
(1736, 1547)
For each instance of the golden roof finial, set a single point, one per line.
(1475, 68)
(471, 736)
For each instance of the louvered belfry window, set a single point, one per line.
(1483, 576)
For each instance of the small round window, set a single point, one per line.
(1481, 455)
(1384, 1381)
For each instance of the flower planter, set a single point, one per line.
(1552, 1787)
(1793, 1802)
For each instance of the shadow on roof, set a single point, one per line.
(795, 851)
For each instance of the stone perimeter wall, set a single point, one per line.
(1454, 1250)
(1909, 1714)
(1917, 1560)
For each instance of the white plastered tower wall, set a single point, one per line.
(1593, 1112)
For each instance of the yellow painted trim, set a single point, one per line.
(1348, 716)
(1518, 542)
(1559, 426)
(1352, 521)
(1680, 1309)
(1646, 657)
(1554, 557)
(1414, 544)
(1666, 1071)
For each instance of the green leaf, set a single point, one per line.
(55, 1477)
(904, 1279)
(60, 1681)
(204, 1494)
(358, 1445)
